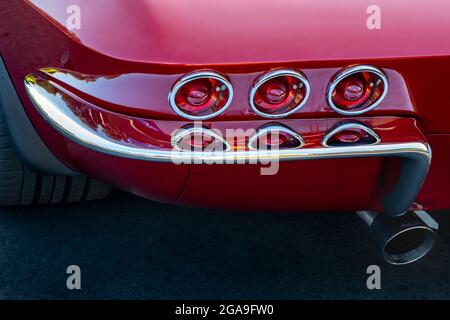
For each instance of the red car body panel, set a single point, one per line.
(128, 54)
(237, 32)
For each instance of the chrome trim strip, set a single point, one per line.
(194, 76)
(274, 74)
(347, 72)
(346, 126)
(415, 156)
(182, 133)
(261, 132)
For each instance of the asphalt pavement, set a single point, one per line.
(131, 248)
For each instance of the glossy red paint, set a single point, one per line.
(296, 186)
(128, 54)
(235, 31)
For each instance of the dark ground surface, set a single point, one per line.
(131, 248)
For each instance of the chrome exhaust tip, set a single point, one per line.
(403, 239)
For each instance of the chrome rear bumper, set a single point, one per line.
(415, 156)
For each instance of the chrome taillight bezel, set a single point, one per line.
(346, 72)
(274, 74)
(270, 128)
(178, 136)
(203, 74)
(349, 126)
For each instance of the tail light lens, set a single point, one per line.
(198, 139)
(279, 93)
(356, 90)
(275, 137)
(201, 95)
(352, 133)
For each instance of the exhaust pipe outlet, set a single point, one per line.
(403, 239)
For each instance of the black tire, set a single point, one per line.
(21, 186)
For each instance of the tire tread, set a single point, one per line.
(22, 186)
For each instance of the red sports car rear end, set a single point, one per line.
(279, 105)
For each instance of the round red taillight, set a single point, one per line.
(279, 93)
(201, 95)
(356, 90)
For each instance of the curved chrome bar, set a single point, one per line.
(415, 156)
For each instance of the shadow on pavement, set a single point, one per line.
(132, 248)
